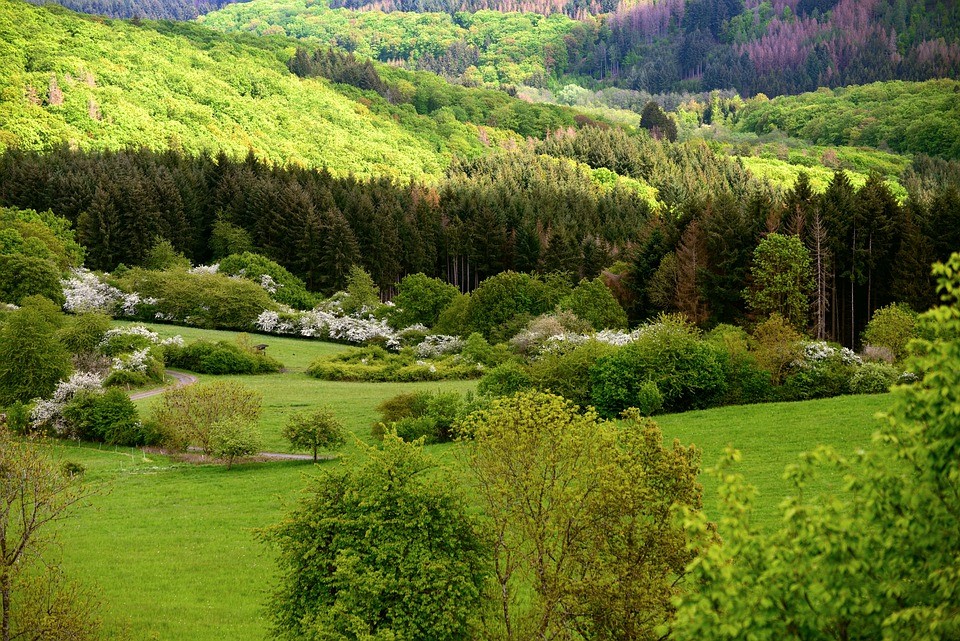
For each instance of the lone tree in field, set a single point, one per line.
(35, 602)
(381, 551)
(317, 431)
(186, 415)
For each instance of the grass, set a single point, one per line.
(170, 549)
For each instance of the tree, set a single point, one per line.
(579, 511)
(420, 299)
(877, 560)
(234, 437)
(781, 279)
(186, 415)
(592, 301)
(384, 550)
(35, 602)
(22, 276)
(32, 359)
(362, 292)
(657, 122)
(317, 431)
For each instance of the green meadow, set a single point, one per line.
(170, 548)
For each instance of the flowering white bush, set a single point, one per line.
(137, 361)
(49, 412)
(438, 345)
(133, 330)
(816, 351)
(266, 281)
(84, 292)
(176, 341)
(205, 269)
(320, 323)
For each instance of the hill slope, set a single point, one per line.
(101, 84)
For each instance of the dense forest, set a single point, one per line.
(670, 45)
(154, 9)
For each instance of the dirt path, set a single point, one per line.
(182, 380)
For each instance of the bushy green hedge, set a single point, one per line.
(432, 416)
(109, 417)
(375, 364)
(221, 357)
(287, 288)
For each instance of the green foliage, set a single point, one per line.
(891, 327)
(383, 550)
(163, 256)
(567, 372)
(109, 417)
(503, 297)
(872, 560)
(375, 364)
(319, 430)
(776, 344)
(420, 300)
(32, 358)
(185, 416)
(40, 235)
(227, 239)
(83, 332)
(23, 276)
(580, 516)
(504, 380)
(222, 357)
(203, 300)
(688, 372)
(904, 116)
(287, 288)
(454, 319)
(422, 415)
(781, 280)
(658, 123)
(592, 301)
(234, 437)
(874, 378)
(823, 379)
(363, 295)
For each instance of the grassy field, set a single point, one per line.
(170, 548)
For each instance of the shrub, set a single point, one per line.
(874, 378)
(24, 276)
(185, 415)
(126, 379)
(421, 414)
(282, 286)
(500, 298)
(477, 350)
(539, 330)
(420, 300)
(319, 430)
(455, 317)
(109, 416)
(221, 357)
(891, 327)
(18, 417)
(403, 405)
(592, 301)
(232, 438)
(775, 346)
(824, 379)
(375, 364)
(83, 332)
(504, 380)
(649, 400)
(412, 428)
(687, 371)
(567, 372)
(747, 382)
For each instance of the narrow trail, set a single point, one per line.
(182, 380)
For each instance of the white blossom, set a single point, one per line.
(439, 344)
(49, 412)
(136, 361)
(205, 269)
(84, 292)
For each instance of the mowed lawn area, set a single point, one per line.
(170, 548)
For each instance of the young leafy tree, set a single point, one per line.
(186, 415)
(234, 437)
(876, 561)
(319, 430)
(35, 603)
(420, 299)
(384, 550)
(580, 513)
(781, 279)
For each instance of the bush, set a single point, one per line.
(420, 300)
(891, 327)
(412, 428)
(455, 317)
(375, 364)
(824, 379)
(874, 378)
(18, 417)
(775, 346)
(319, 430)
(109, 417)
(126, 379)
(282, 286)
(83, 332)
(649, 399)
(504, 380)
(747, 382)
(403, 405)
(185, 415)
(592, 301)
(221, 357)
(499, 299)
(232, 438)
(422, 414)
(567, 373)
(687, 371)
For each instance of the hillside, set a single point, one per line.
(101, 84)
(783, 47)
